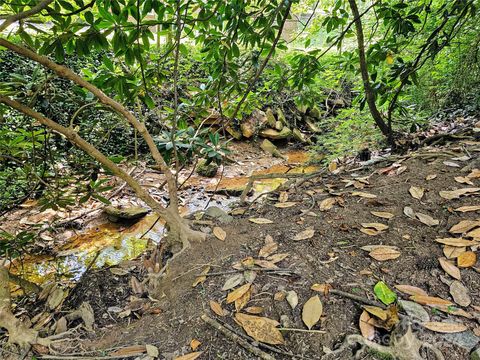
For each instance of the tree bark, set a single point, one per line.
(369, 94)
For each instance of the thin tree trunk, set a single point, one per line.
(369, 94)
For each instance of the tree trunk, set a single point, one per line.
(369, 94)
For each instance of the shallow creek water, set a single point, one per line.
(109, 243)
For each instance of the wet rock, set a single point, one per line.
(278, 125)
(298, 135)
(268, 147)
(117, 214)
(281, 116)
(414, 310)
(206, 170)
(465, 339)
(276, 135)
(315, 113)
(312, 126)
(270, 118)
(216, 213)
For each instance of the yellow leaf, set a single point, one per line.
(194, 344)
(262, 329)
(455, 194)
(467, 259)
(312, 310)
(219, 233)
(216, 308)
(268, 249)
(376, 226)
(411, 290)
(254, 310)
(304, 235)
(444, 327)
(366, 329)
(260, 221)
(382, 214)
(201, 279)
(389, 59)
(277, 257)
(323, 288)
(237, 293)
(450, 269)
(243, 300)
(327, 203)
(376, 311)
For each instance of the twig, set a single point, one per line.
(270, 271)
(303, 330)
(234, 337)
(356, 298)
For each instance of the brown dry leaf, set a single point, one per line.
(283, 197)
(474, 174)
(243, 300)
(451, 163)
(467, 259)
(233, 281)
(238, 293)
(452, 252)
(265, 264)
(376, 311)
(260, 221)
(460, 293)
(382, 214)
(371, 232)
(323, 288)
(262, 329)
(284, 205)
(190, 356)
(455, 194)
(431, 177)
(201, 279)
(374, 247)
(409, 212)
(137, 287)
(459, 242)
(279, 296)
(312, 310)
(384, 254)
(416, 192)
(376, 226)
(304, 235)
(254, 310)
(444, 327)
(450, 309)
(268, 249)
(463, 180)
(427, 219)
(277, 257)
(194, 344)
(364, 195)
(327, 203)
(430, 300)
(130, 351)
(464, 226)
(366, 329)
(475, 234)
(219, 233)
(450, 269)
(468, 208)
(411, 290)
(216, 308)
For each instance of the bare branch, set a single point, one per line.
(25, 14)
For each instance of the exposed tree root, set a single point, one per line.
(405, 347)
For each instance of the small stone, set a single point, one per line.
(206, 170)
(116, 214)
(465, 339)
(270, 118)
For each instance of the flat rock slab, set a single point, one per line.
(125, 214)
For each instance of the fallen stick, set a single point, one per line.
(270, 271)
(234, 337)
(356, 298)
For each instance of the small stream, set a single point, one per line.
(109, 243)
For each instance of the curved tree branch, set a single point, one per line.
(25, 14)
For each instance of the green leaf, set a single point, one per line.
(384, 294)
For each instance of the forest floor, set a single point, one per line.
(304, 261)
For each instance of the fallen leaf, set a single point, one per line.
(152, 351)
(190, 356)
(250, 276)
(376, 311)
(371, 232)
(451, 164)
(408, 211)
(464, 226)
(261, 221)
(463, 180)
(201, 279)
(137, 287)
(474, 174)
(304, 235)
(430, 177)
(411, 290)
(416, 192)
(219, 233)
(468, 208)
(237, 293)
(455, 194)
(128, 351)
(262, 329)
(444, 327)
(292, 299)
(430, 300)
(384, 254)
(382, 214)
(265, 264)
(374, 247)
(323, 288)
(459, 242)
(283, 197)
(233, 281)
(216, 308)
(366, 329)
(383, 293)
(243, 300)
(452, 252)
(284, 205)
(475, 234)
(254, 309)
(194, 344)
(364, 195)
(277, 257)
(327, 203)
(450, 269)
(452, 310)
(312, 310)
(118, 271)
(268, 249)
(460, 293)
(427, 219)
(467, 259)
(376, 226)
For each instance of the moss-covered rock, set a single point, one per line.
(207, 170)
(117, 214)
